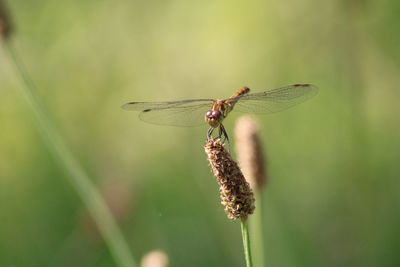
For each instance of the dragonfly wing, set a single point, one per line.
(275, 100)
(177, 113)
(176, 116)
(141, 106)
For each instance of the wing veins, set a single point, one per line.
(140, 106)
(274, 100)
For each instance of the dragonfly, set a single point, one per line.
(196, 112)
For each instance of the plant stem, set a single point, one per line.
(257, 235)
(77, 176)
(246, 242)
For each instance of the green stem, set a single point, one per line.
(78, 177)
(246, 242)
(257, 235)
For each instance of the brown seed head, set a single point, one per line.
(235, 192)
(250, 151)
(5, 23)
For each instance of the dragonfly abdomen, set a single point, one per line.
(241, 91)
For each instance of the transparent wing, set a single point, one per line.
(274, 100)
(141, 106)
(176, 113)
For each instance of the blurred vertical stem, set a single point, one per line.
(78, 178)
(256, 222)
(246, 241)
(253, 165)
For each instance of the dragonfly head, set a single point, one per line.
(214, 118)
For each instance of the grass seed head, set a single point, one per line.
(250, 152)
(236, 194)
(155, 258)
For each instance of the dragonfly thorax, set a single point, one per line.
(214, 118)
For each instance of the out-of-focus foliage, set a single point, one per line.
(333, 194)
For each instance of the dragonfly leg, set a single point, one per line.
(209, 133)
(223, 133)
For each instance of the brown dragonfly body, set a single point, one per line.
(188, 112)
(219, 111)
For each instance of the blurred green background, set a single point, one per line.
(333, 162)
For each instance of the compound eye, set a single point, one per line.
(209, 114)
(216, 113)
